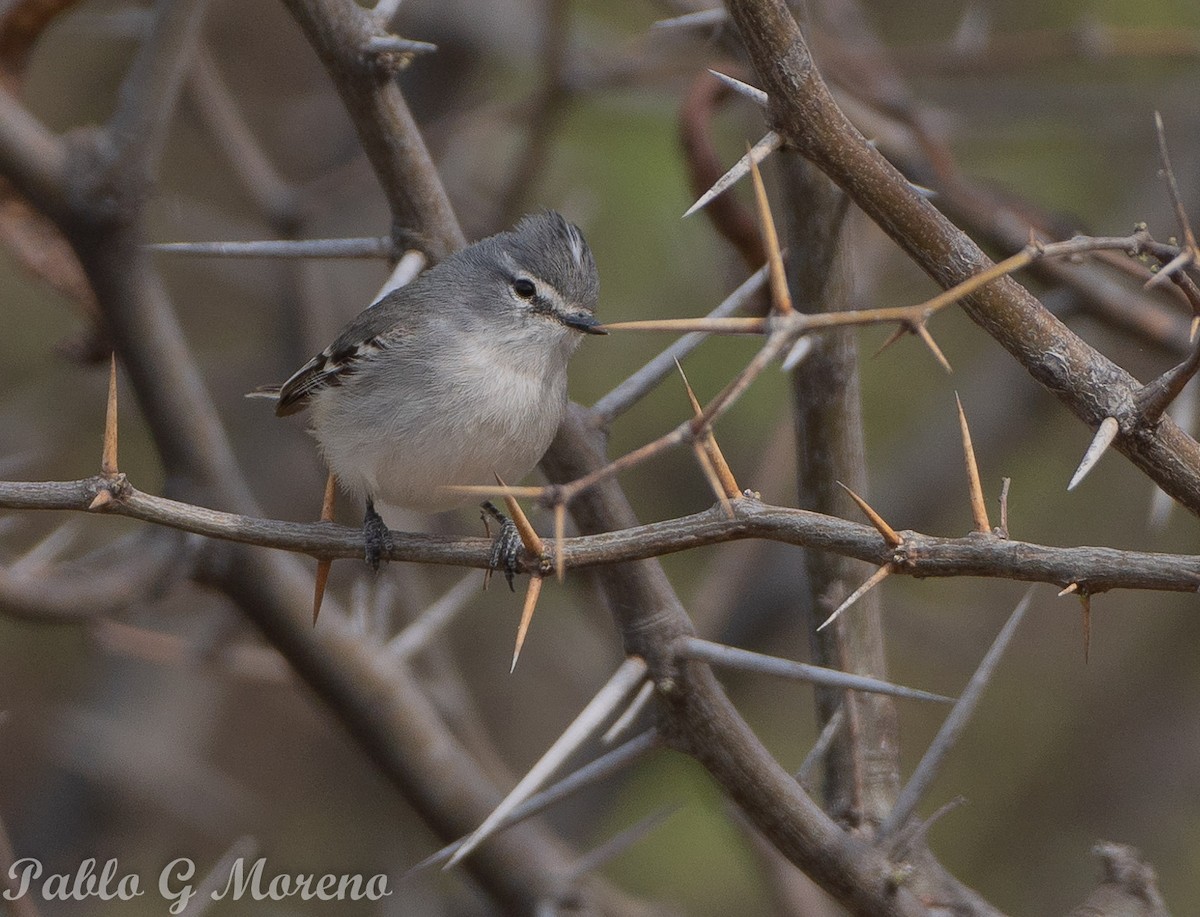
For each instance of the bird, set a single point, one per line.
(457, 378)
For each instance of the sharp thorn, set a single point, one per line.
(531, 600)
(923, 333)
(1104, 437)
(753, 93)
(560, 528)
(101, 500)
(889, 534)
(900, 331)
(108, 458)
(978, 504)
(529, 536)
(757, 153)
(875, 579)
(795, 356)
(628, 677)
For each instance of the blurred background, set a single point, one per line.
(173, 730)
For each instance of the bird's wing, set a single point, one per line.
(375, 329)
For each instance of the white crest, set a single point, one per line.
(576, 242)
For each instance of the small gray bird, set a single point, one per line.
(455, 378)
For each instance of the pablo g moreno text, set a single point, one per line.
(175, 883)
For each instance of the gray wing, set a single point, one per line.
(373, 330)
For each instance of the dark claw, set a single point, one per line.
(377, 536)
(507, 549)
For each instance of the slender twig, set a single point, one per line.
(1185, 225)
(804, 112)
(152, 86)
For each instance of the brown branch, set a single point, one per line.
(421, 210)
(1097, 568)
(698, 717)
(1089, 384)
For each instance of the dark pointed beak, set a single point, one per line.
(582, 321)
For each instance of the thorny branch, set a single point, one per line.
(94, 185)
(919, 555)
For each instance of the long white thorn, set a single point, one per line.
(753, 93)
(757, 153)
(628, 676)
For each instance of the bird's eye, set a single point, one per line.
(524, 288)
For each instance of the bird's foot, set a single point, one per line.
(507, 548)
(377, 536)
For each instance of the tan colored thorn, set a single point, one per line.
(324, 566)
(101, 500)
(726, 485)
(1085, 600)
(531, 600)
(1192, 331)
(900, 331)
(108, 457)
(529, 536)
(710, 475)
(889, 534)
(978, 505)
(560, 528)
(781, 299)
(874, 580)
(923, 333)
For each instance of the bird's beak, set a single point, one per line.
(582, 321)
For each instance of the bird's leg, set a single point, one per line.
(507, 547)
(377, 536)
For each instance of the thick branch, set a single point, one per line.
(1089, 384)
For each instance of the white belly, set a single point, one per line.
(403, 443)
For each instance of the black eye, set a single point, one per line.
(524, 288)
